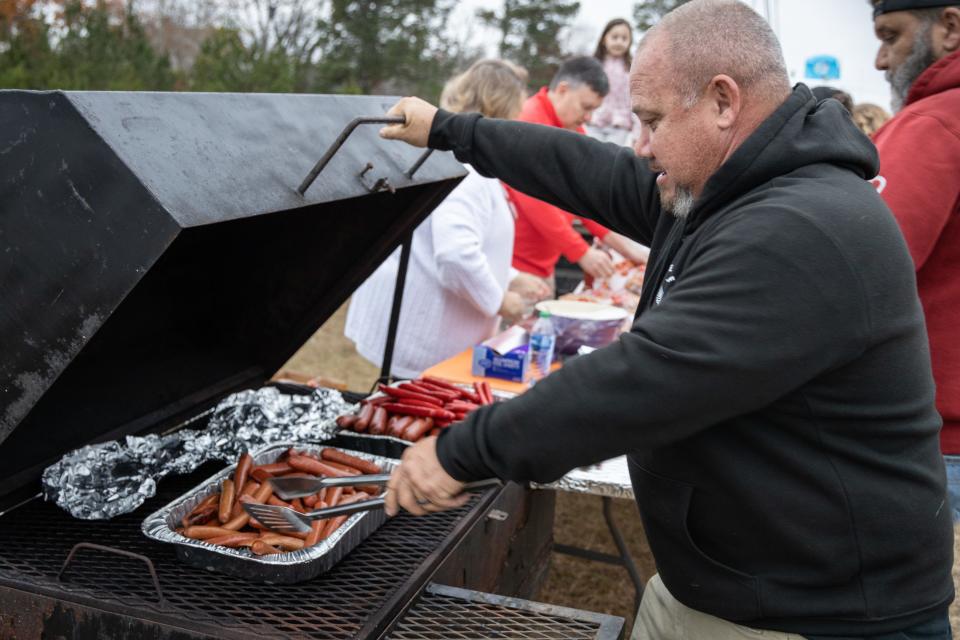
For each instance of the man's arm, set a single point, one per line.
(574, 172)
(629, 249)
(552, 223)
(921, 188)
(555, 227)
(596, 230)
(703, 356)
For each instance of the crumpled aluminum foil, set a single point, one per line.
(102, 481)
(610, 478)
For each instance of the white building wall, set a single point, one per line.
(839, 28)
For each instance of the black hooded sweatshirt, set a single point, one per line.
(774, 394)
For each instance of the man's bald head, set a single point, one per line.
(705, 38)
(703, 80)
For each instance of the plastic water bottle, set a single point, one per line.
(543, 339)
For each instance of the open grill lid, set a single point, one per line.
(156, 252)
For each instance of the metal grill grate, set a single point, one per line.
(35, 539)
(447, 613)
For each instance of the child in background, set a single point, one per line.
(614, 120)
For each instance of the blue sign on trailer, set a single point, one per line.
(823, 68)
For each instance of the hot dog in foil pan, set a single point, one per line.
(104, 480)
(284, 568)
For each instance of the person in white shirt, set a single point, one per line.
(459, 282)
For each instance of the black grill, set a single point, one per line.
(445, 613)
(355, 595)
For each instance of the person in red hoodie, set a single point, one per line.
(920, 181)
(545, 232)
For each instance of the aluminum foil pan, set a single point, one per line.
(283, 568)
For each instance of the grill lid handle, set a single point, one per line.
(353, 124)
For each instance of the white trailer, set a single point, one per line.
(838, 30)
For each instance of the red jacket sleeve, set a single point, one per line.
(919, 182)
(552, 223)
(595, 228)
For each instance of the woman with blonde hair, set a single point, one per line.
(869, 117)
(459, 281)
(488, 87)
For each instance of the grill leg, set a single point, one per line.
(395, 307)
(625, 557)
(624, 560)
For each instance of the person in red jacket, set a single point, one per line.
(545, 232)
(920, 181)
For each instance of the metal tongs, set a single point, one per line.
(290, 487)
(287, 520)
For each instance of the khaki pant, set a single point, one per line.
(663, 617)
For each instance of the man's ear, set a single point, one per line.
(950, 22)
(724, 98)
(562, 88)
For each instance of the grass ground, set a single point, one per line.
(572, 582)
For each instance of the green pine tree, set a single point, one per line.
(103, 49)
(390, 46)
(531, 34)
(26, 59)
(226, 63)
(648, 13)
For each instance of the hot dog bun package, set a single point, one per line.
(505, 356)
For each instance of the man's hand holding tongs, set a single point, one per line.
(420, 485)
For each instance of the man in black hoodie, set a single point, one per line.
(774, 393)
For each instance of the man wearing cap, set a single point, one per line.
(920, 180)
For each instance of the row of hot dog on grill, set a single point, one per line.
(221, 520)
(415, 409)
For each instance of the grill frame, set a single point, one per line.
(175, 293)
(386, 569)
(439, 607)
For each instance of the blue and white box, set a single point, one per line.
(505, 356)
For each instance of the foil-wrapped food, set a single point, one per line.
(102, 481)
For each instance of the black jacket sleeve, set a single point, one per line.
(602, 181)
(719, 345)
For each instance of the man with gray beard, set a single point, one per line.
(774, 394)
(920, 180)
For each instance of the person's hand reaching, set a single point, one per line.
(596, 263)
(418, 115)
(531, 288)
(512, 308)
